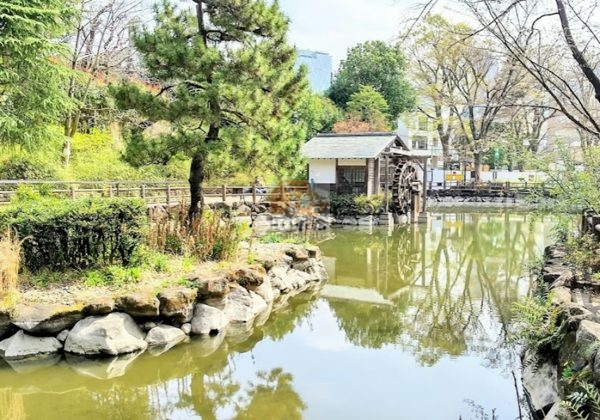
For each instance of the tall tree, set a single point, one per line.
(227, 84)
(100, 47)
(561, 62)
(31, 82)
(376, 64)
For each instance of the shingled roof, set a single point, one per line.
(348, 146)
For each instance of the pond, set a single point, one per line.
(411, 325)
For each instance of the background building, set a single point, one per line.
(319, 66)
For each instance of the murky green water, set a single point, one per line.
(410, 326)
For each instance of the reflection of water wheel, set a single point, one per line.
(404, 177)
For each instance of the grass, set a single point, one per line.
(10, 261)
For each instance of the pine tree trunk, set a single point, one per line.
(195, 180)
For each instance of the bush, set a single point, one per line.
(21, 167)
(362, 204)
(60, 234)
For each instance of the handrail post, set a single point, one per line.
(253, 194)
(223, 193)
(142, 191)
(72, 190)
(281, 192)
(169, 195)
(110, 190)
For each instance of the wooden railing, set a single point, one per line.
(507, 189)
(153, 192)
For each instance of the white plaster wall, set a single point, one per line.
(321, 171)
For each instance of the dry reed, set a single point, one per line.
(210, 237)
(10, 260)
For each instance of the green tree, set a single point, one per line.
(228, 85)
(368, 104)
(31, 77)
(376, 64)
(319, 114)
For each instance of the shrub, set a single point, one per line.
(21, 167)
(10, 260)
(342, 204)
(209, 237)
(76, 234)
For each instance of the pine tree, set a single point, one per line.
(32, 80)
(228, 85)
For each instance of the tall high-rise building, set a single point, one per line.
(319, 66)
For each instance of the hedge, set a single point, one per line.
(91, 232)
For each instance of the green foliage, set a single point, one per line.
(583, 402)
(368, 104)
(318, 114)
(230, 88)
(351, 204)
(574, 180)
(31, 82)
(26, 167)
(76, 234)
(113, 275)
(538, 326)
(375, 64)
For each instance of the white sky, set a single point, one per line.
(332, 26)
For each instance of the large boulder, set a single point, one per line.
(22, 346)
(46, 319)
(140, 304)
(540, 382)
(101, 305)
(164, 336)
(243, 305)
(112, 334)
(208, 320)
(177, 304)
(248, 277)
(265, 290)
(210, 285)
(588, 334)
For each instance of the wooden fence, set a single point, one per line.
(489, 189)
(153, 192)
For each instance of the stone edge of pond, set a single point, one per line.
(579, 303)
(226, 302)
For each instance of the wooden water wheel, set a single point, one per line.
(405, 175)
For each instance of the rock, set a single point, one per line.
(5, 324)
(22, 346)
(243, 210)
(557, 412)
(540, 382)
(217, 302)
(262, 219)
(34, 364)
(112, 334)
(62, 336)
(147, 326)
(551, 273)
(177, 304)
(164, 335)
(243, 306)
(298, 253)
(350, 221)
(277, 277)
(45, 319)
(107, 368)
(101, 305)
(313, 251)
(265, 290)
(573, 314)
(186, 328)
(139, 305)
(588, 333)
(561, 296)
(366, 221)
(208, 320)
(210, 285)
(297, 280)
(248, 277)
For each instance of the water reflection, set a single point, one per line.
(197, 380)
(445, 289)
